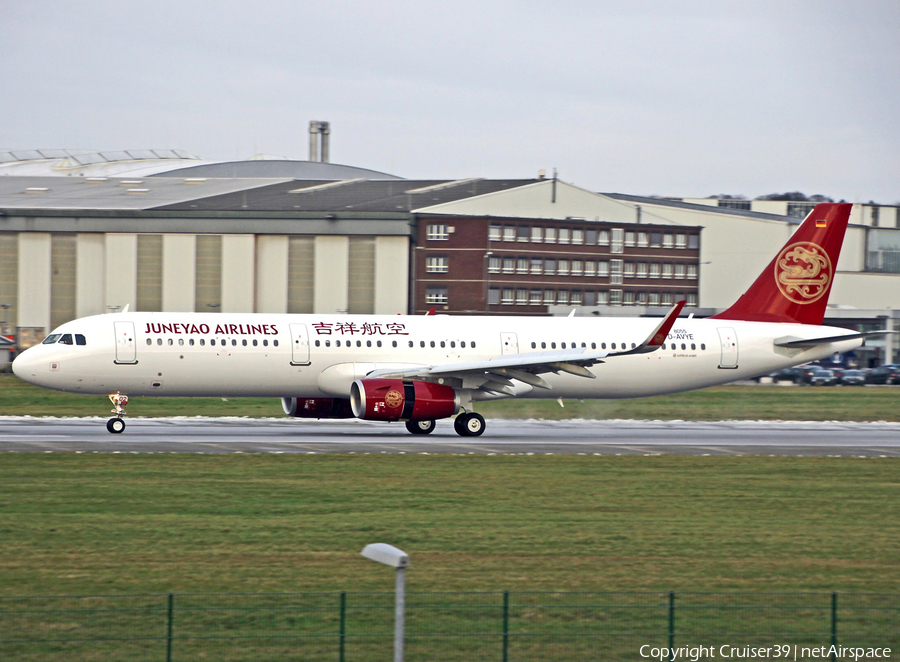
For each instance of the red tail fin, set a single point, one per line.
(795, 285)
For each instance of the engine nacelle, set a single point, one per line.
(399, 399)
(317, 407)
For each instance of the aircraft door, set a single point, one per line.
(729, 343)
(126, 347)
(509, 343)
(299, 345)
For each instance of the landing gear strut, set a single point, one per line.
(469, 424)
(116, 424)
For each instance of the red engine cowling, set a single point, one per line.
(317, 407)
(398, 399)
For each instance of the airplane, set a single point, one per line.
(419, 369)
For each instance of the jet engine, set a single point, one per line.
(317, 407)
(398, 399)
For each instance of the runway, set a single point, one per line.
(578, 437)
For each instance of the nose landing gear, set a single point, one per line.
(116, 424)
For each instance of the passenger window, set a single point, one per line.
(265, 343)
(233, 342)
(442, 344)
(553, 345)
(159, 341)
(473, 344)
(432, 343)
(463, 344)
(633, 346)
(52, 338)
(327, 343)
(171, 342)
(683, 346)
(191, 342)
(593, 345)
(421, 343)
(337, 343)
(244, 342)
(411, 343)
(393, 343)
(318, 342)
(275, 342)
(359, 343)
(256, 342)
(80, 340)
(202, 342)
(702, 345)
(149, 341)
(369, 343)
(693, 346)
(212, 342)
(66, 339)
(603, 345)
(378, 342)
(453, 343)
(181, 341)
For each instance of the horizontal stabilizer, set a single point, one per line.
(793, 341)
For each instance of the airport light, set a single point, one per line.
(396, 558)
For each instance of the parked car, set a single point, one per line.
(822, 378)
(808, 371)
(852, 378)
(787, 375)
(886, 374)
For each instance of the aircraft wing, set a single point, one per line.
(496, 374)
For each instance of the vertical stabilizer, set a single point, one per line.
(795, 285)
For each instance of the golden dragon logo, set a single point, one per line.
(803, 272)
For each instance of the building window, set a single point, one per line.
(602, 298)
(615, 273)
(693, 242)
(436, 295)
(618, 240)
(550, 297)
(735, 204)
(615, 297)
(534, 298)
(656, 240)
(642, 270)
(577, 237)
(603, 269)
(509, 233)
(438, 232)
(679, 271)
(521, 297)
(668, 240)
(667, 271)
(436, 264)
(680, 241)
(577, 298)
(537, 266)
(493, 296)
(549, 267)
(590, 298)
(628, 298)
(799, 209)
(493, 265)
(550, 236)
(667, 299)
(523, 233)
(537, 235)
(564, 235)
(509, 265)
(692, 271)
(692, 300)
(643, 240)
(629, 270)
(522, 265)
(507, 297)
(640, 298)
(590, 269)
(603, 238)
(591, 238)
(653, 298)
(563, 268)
(577, 267)
(655, 270)
(495, 232)
(562, 297)
(629, 239)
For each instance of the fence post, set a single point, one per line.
(343, 626)
(505, 626)
(833, 623)
(169, 620)
(671, 626)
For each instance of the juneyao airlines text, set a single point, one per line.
(784, 652)
(221, 329)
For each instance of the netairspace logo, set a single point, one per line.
(783, 652)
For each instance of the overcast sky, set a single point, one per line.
(649, 97)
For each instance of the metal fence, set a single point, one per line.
(498, 626)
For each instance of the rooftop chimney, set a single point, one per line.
(316, 129)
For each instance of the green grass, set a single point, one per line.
(720, 403)
(95, 523)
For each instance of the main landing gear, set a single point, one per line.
(116, 424)
(467, 424)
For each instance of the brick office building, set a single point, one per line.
(520, 266)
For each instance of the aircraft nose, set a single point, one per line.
(24, 366)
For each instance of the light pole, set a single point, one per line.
(396, 558)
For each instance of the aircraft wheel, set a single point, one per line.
(469, 425)
(421, 427)
(115, 425)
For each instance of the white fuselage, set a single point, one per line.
(309, 356)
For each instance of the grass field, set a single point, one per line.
(721, 403)
(95, 523)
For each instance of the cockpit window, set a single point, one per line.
(66, 339)
(79, 339)
(52, 338)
